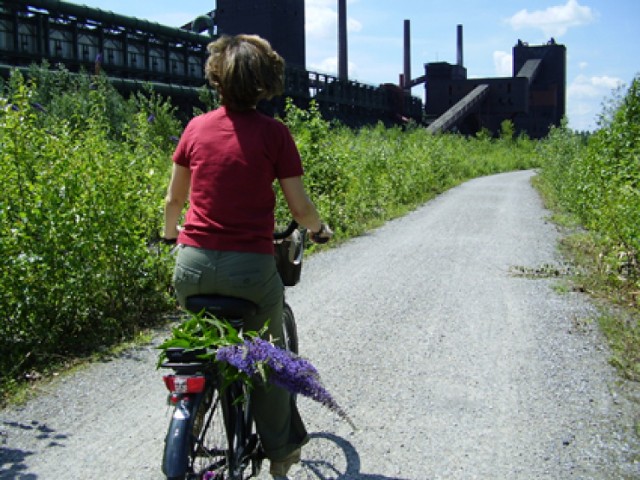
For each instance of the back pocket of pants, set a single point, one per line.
(183, 275)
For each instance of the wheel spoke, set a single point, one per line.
(209, 450)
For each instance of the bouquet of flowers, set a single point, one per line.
(247, 357)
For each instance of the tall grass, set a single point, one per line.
(595, 183)
(598, 182)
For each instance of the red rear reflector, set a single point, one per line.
(184, 384)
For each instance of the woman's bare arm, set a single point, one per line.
(177, 195)
(302, 208)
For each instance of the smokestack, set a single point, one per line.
(407, 54)
(343, 63)
(460, 60)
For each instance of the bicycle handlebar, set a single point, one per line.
(168, 241)
(318, 237)
(286, 232)
(276, 235)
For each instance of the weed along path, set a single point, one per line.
(451, 363)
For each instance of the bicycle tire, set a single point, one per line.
(242, 432)
(213, 435)
(204, 444)
(244, 447)
(289, 329)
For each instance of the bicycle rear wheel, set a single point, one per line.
(289, 329)
(209, 449)
(245, 452)
(207, 441)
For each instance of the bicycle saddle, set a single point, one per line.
(224, 308)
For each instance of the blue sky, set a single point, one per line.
(601, 36)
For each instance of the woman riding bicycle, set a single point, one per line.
(225, 163)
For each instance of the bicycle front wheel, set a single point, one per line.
(289, 329)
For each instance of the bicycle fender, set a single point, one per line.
(177, 442)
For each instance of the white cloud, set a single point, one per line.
(610, 83)
(321, 19)
(554, 21)
(584, 87)
(585, 97)
(353, 25)
(319, 3)
(503, 62)
(329, 65)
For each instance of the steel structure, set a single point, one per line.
(133, 52)
(280, 21)
(533, 98)
(83, 37)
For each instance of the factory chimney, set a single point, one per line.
(343, 63)
(460, 59)
(407, 55)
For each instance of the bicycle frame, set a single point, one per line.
(241, 437)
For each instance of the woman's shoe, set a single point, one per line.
(280, 468)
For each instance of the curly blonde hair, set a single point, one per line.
(244, 69)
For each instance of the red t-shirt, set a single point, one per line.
(234, 158)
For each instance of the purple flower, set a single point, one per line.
(151, 118)
(284, 369)
(38, 106)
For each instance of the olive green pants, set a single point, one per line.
(254, 277)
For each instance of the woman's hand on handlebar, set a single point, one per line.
(168, 241)
(323, 235)
(170, 235)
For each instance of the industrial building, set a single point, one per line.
(132, 52)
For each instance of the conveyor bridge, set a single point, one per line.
(460, 110)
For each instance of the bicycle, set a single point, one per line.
(212, 434)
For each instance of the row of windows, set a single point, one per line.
(116, 51)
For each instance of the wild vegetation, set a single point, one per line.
(84, 173)
(593, 184)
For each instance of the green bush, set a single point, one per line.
(76, 215)
(612, 176)
(598, 181)
(595, 181)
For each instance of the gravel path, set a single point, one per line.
(451, 366)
